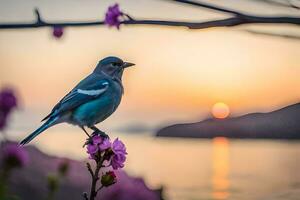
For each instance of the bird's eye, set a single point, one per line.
(115, 64)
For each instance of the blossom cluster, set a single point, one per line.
(8, 101)
(113, 16)
(102, 150)
(115, 152)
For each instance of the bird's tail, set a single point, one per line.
(50, 122)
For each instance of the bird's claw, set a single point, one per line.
(101, 133)
(98, 132)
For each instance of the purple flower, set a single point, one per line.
(106, 144)
(119, 156)
(92, 149)
(14, 155)
(115, 152)
(93, 146)
(118, 146)
(112, 16)
(97, 139)
(117, 161)
(8, 100)
(58, 31)
(97, 145)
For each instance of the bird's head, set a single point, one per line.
(112, 66)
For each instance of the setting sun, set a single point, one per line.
(220, 110)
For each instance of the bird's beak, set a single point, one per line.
(127, 64)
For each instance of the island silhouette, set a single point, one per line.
(279, 124)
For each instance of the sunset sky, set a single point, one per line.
(179, 75)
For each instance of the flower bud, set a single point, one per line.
(63, 168)
(108, 179)
(113, 15)
(58, 31)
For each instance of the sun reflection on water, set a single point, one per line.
(220, 182)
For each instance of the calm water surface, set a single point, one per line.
(194, 169)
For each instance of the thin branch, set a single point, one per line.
(88, 165)
(99, 188)
(293, 5)
(38, 16)
(208, 6)
(47, 24)
(233, 21)
(287, 3)
(287, 36)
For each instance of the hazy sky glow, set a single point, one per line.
(179, 74)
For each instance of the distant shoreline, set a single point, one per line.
(279, 124)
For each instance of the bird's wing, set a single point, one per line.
(88, 89)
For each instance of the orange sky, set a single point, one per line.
(179, 74)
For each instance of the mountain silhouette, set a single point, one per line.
(279, 124)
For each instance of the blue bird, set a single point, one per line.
(91, 101)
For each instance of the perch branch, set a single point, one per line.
(236, 19)
(232, 21)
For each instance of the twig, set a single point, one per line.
(208, 6)
(99, 188)
(293, 5)
(90, 169)
(287, 36)
(128, 16)
(38, 16)
(288, 3)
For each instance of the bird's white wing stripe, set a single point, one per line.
(91, 92)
